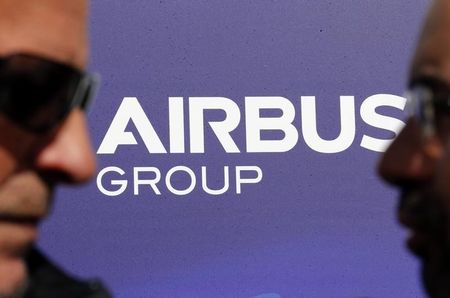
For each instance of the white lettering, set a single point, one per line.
(371, 117)
(180, 169)
(123, 183)
(240, 180)
(130, 109)
(151, 182)
(309, 126)
(254, 124)
(222, 129)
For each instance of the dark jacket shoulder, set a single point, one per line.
(48, 281)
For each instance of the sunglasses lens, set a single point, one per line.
(35, 93)
(422, 108)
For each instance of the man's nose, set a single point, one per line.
(68, 155)
(411, 158)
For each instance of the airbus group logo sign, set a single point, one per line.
(130, 110)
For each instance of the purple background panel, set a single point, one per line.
(318, 225)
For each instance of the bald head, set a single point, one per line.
(432, 57)
(54, 29)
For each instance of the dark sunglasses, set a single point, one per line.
(429, 104)
(37, 94)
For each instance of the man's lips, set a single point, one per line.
(418, 239)
(420, 211)
(20, 219)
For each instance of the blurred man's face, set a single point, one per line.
(32, 163)
(419, 162)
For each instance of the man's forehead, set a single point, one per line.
(432, 57)
(54, 29)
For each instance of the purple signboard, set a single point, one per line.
(237, 143)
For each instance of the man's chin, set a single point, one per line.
(13, 277)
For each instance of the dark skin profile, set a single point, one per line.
(419, 164)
